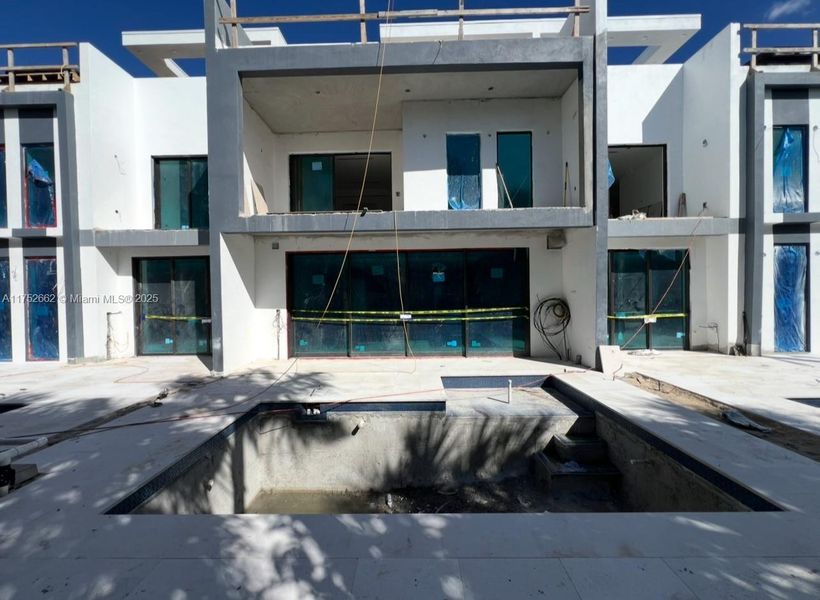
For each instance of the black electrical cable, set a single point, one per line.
(551, 318)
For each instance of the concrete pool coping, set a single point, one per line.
(52, 535)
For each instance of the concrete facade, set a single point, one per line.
(265, 101)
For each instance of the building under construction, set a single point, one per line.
(453, 182)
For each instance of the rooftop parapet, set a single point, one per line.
(234, 23)
(779, 54)
(14, 73)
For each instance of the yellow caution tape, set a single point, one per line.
(454, 311)
(164, 318)
(397, 321)
(642, 317)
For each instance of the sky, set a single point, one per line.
(101, 22)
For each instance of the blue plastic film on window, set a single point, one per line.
(3, 198)
(5, 311)
(790, 298)
(789, 176)
(610, 175)
(43, 333)
(463, 171)
(41, 208)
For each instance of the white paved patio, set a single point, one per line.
(55, 543)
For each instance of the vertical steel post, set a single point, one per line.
(815, 54)
(461, 20)
(66, 70)
(754, 50)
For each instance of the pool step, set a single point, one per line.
(562, 475)
(583, 450)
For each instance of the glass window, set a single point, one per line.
(789, 169)
(41, 309)
(39, 186)
(514, 170)
(311, 281)
(790, 274)
(4, 222)
(453, 296)
(643, 282)
(175, 317)
(463, 171)
(181, 190)
(324, 183)
(374, 289)
(5, 311)
(497, 300)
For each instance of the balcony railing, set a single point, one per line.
(63, 72)
(755, 50)
(234, 21)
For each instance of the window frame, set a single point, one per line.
(665, 156)
(26, 221)
(473, 134)
(806, 179)
(502, 200)
(294, 159)
(158, 193)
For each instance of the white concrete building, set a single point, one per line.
(505, 164)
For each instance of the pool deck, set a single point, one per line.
(56, 543)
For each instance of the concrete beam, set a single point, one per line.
(674, 227)
(137, 238)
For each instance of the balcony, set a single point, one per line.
(22, 71)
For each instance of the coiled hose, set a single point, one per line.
(551, 317)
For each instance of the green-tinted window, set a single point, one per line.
(311, 280)
(463, 171)
(514, 170)
(39, 186)
(374, 287)
(497, 287)
(451, 296)
(181, 191)
(175, 316)
(333, 182)
(3, 200)
(648, 282)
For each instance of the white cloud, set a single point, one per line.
(784, 8)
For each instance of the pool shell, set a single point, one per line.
(367, 447)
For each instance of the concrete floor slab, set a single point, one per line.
(777, 474)
(56, 520)
(745, 579)
(757, 384)
(633, 578)
(407, 579)
(516, 578)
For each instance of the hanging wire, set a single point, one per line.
(551, 317)
(357, 214)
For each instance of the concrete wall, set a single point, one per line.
(712, 82)
(646, 107)
(426, 124)
(579, 290)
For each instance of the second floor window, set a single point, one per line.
(790, 170)
(181, 193)
(39, 188)
(4, 222)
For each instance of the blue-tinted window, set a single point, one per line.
(790, 274)
(41, 308)
(181, 190)
(39, 186)
(789, 169)
(4, 222)
(463, 171)
(5, 311)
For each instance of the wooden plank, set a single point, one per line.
(38, 68)
(363, 21)
(792, 26)
(234, 29)
(461, 20)
(781, 51)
